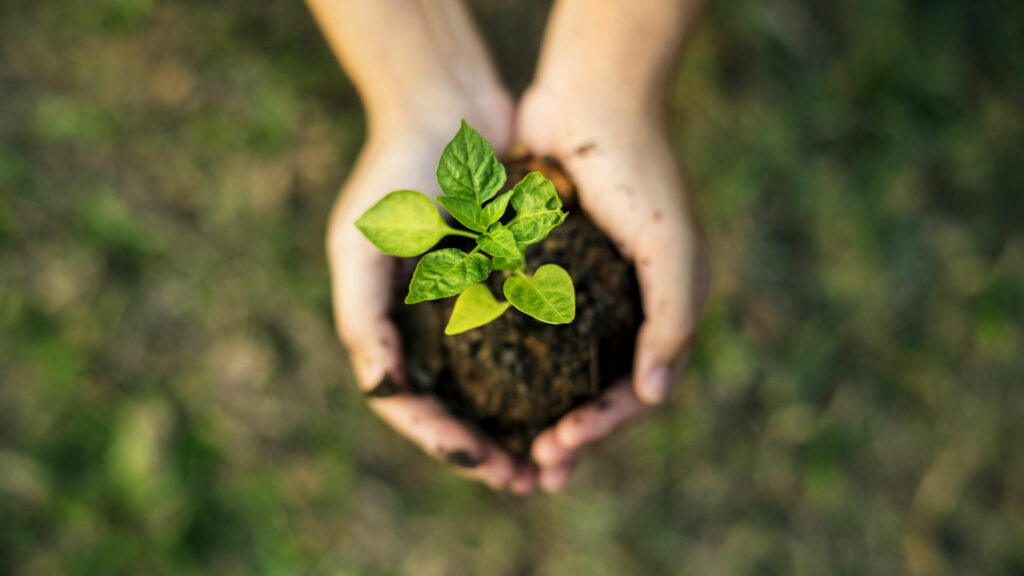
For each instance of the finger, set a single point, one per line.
(377, 360)
(554, 479)
(525, 480)
(598, 418)
(673, 275)
(425, 421)
(497, 469)
(557, 449)
(548, 451)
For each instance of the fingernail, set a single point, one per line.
(386, 388)
(657, 384)
(371, 374)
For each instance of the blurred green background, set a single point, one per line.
(173, 400)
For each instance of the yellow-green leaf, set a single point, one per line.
(474, 308)
(446, 272)
(496, 209)
(548, 296)
(535, 193)
(498, 241)
(538, 209)
(469, 169)
(467, 213)
(403, 223)
(499, 263)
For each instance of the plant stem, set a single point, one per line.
(464, 233)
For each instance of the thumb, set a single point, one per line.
(376, 356)
(673, 285)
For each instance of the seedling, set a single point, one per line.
(407, 223)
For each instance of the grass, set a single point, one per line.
(173, 400)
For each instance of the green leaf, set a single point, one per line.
(498, 241)
(467, 213)
(538, 209)
(496, 209)
(507, 264)
(469, 169)
(403, 223)
(536, 227)
(548, 296)
(535, 193)
(446, 272)
(474, 308)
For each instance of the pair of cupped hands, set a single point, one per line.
(616, 150)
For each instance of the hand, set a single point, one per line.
(628, 182)
(406, 158)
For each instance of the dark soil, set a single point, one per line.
(515, 376)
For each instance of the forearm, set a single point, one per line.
(408, 59)
(620, 50)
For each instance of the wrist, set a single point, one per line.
(567, 124)
(597, 95)
(611, 111)
(605, 75)
(622, 55)
(434, 110)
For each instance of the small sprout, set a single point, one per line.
(406, 223)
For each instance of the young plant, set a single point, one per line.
(407, 223)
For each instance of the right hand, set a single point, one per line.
(615, 149)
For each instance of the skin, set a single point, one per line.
(596, 105)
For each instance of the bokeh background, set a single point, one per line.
(173, 400)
